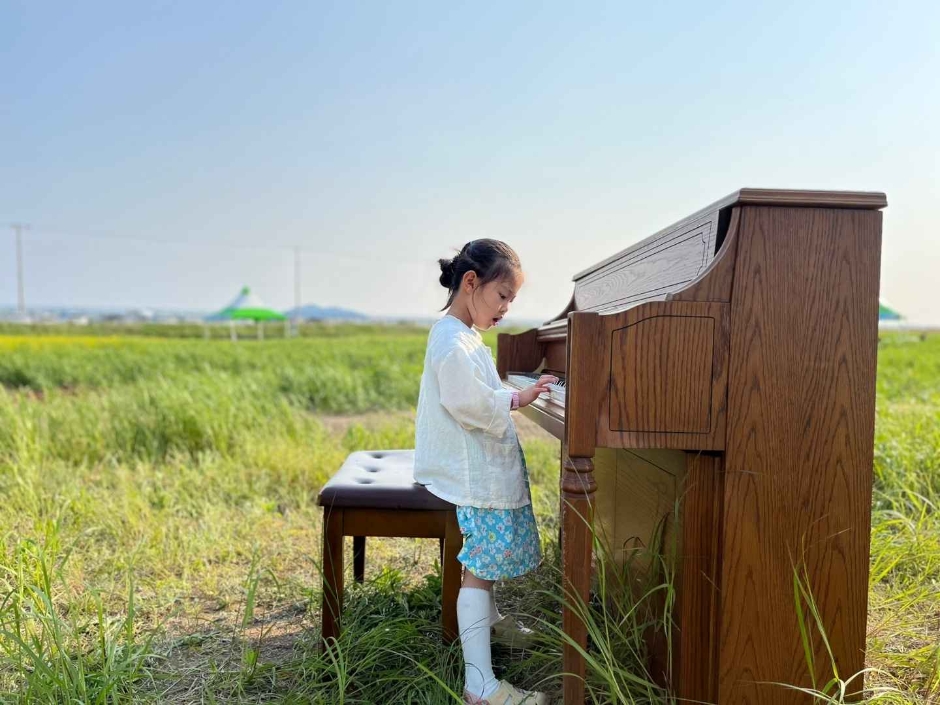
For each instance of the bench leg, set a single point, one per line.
(450, 577)
(359, 558)
(332, 572)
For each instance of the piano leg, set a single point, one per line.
(578, 488)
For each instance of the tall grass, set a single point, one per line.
(363, 372)
(161, 539)
(904, 599)
(180, 464)
(54, 653)
(629, 612)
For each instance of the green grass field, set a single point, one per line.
(160, 538)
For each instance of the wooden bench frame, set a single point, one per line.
(361, 522)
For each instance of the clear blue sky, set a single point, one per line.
(166, 153)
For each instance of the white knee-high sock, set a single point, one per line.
(473, 619)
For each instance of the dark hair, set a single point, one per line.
(490, 259)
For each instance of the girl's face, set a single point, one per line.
(488, 303)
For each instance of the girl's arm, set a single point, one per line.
(467, 398)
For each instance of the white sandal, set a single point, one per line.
(507, 694)
(512, 633)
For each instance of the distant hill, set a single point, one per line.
(331, 313)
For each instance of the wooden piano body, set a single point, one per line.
(727, 361)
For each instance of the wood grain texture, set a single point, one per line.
(762, 197)
(585, 381)
(651, 269)
(517, 353)
(654, 241)
(714, 283)
(332, 605)
(363, 522)
(661, 375)
(798, 468)
(390, 523)
(602, 400)
(635, 517)
(578, 488)
(697, 580)
(555, 330)
(451, 577)
(655, 268)
(648, 483)
(786, 481)
(862, 200)
(556, 355)
(606, 499)
(647, 486)
(667, 396)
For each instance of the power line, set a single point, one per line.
(39, 233)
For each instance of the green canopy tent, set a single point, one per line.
(886, 313)
(890, 319)
(247, 307)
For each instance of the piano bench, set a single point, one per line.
(374, 494)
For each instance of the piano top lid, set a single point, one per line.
(864, 200)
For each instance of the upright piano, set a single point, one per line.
(725, 366)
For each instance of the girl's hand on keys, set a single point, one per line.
(530, 394)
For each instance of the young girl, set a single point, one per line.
(467, 452)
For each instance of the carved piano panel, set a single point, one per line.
(663, 380)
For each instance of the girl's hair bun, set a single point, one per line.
(488, 259)
(447, 273)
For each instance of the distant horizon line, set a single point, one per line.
(9, 310)
(6, 309)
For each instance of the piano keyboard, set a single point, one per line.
(556, 393)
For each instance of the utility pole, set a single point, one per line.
(296, 291)
(18, 228)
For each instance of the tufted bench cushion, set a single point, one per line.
(379, 479)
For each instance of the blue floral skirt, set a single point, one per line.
(499, 543)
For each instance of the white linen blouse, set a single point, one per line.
(466, 448)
